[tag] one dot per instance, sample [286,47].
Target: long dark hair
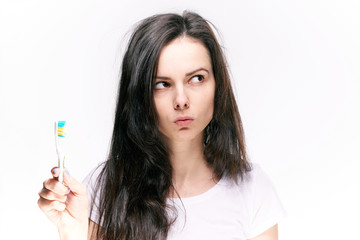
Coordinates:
[137,177]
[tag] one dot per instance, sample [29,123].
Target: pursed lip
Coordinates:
[183,121]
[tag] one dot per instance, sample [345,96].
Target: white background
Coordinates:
[295,68]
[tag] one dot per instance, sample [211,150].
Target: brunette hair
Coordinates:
[137,177]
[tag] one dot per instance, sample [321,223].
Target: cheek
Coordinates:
[205,105]
[210,106]
[209,99]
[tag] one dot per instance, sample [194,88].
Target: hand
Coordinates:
[66,205]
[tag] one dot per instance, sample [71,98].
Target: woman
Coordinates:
[177,167]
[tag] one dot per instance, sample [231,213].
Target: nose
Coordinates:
[181,101]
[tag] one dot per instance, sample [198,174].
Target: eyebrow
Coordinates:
[187,74]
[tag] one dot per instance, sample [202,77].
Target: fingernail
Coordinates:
[68,191]
[67,172]
[55,170]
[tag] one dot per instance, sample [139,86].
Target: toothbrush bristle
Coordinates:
[61,128]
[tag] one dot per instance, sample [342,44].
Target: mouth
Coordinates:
[183,121]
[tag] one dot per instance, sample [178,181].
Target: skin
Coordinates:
[68,210]
[184,86]
[178,93]
[270,234]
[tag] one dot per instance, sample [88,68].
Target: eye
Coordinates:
[161,85]
[197,78]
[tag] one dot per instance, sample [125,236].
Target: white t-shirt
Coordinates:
[226,211]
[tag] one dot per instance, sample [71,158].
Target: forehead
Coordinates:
[183,54]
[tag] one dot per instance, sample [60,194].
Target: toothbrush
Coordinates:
[59,139]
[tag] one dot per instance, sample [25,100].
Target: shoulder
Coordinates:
[264,205]
[91,181]
[93,175]
[255,180]
[259,190]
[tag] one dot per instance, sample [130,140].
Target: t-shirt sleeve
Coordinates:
[265,207]
[91,181]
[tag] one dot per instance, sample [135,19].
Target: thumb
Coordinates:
[76,187]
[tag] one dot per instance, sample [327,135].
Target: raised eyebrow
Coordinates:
[162,78]
[197,70]
[187,74]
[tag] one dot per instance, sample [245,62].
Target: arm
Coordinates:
[270,234]
[93,227]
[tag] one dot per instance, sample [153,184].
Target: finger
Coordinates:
[75,186]
[55,186]
[48,205]
[55,171]
[50,195]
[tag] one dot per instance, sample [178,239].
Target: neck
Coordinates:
[190,169]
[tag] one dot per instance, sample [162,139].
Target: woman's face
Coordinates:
[184,89]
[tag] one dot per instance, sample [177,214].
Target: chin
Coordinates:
[186,135]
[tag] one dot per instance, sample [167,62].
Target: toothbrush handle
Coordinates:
[61,167]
